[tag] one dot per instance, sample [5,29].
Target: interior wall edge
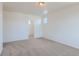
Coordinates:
[1,27]
[1,49]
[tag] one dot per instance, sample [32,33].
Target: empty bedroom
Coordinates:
[40,29]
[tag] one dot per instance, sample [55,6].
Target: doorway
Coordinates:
[35,28]
[31,29]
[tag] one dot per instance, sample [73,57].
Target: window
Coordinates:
[45,21]
[39,21]
[29,21]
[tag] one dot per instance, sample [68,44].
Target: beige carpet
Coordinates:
[38,47]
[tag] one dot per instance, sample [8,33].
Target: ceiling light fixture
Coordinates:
[41,4]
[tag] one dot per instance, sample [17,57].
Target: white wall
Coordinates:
[15,26]
[1,28]
[63,26]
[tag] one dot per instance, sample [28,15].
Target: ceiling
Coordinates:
[31,8]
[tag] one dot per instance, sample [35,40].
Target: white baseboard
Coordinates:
[63,42]
[15,40]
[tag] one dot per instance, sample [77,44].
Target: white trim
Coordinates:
[62,42]
[16,40]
